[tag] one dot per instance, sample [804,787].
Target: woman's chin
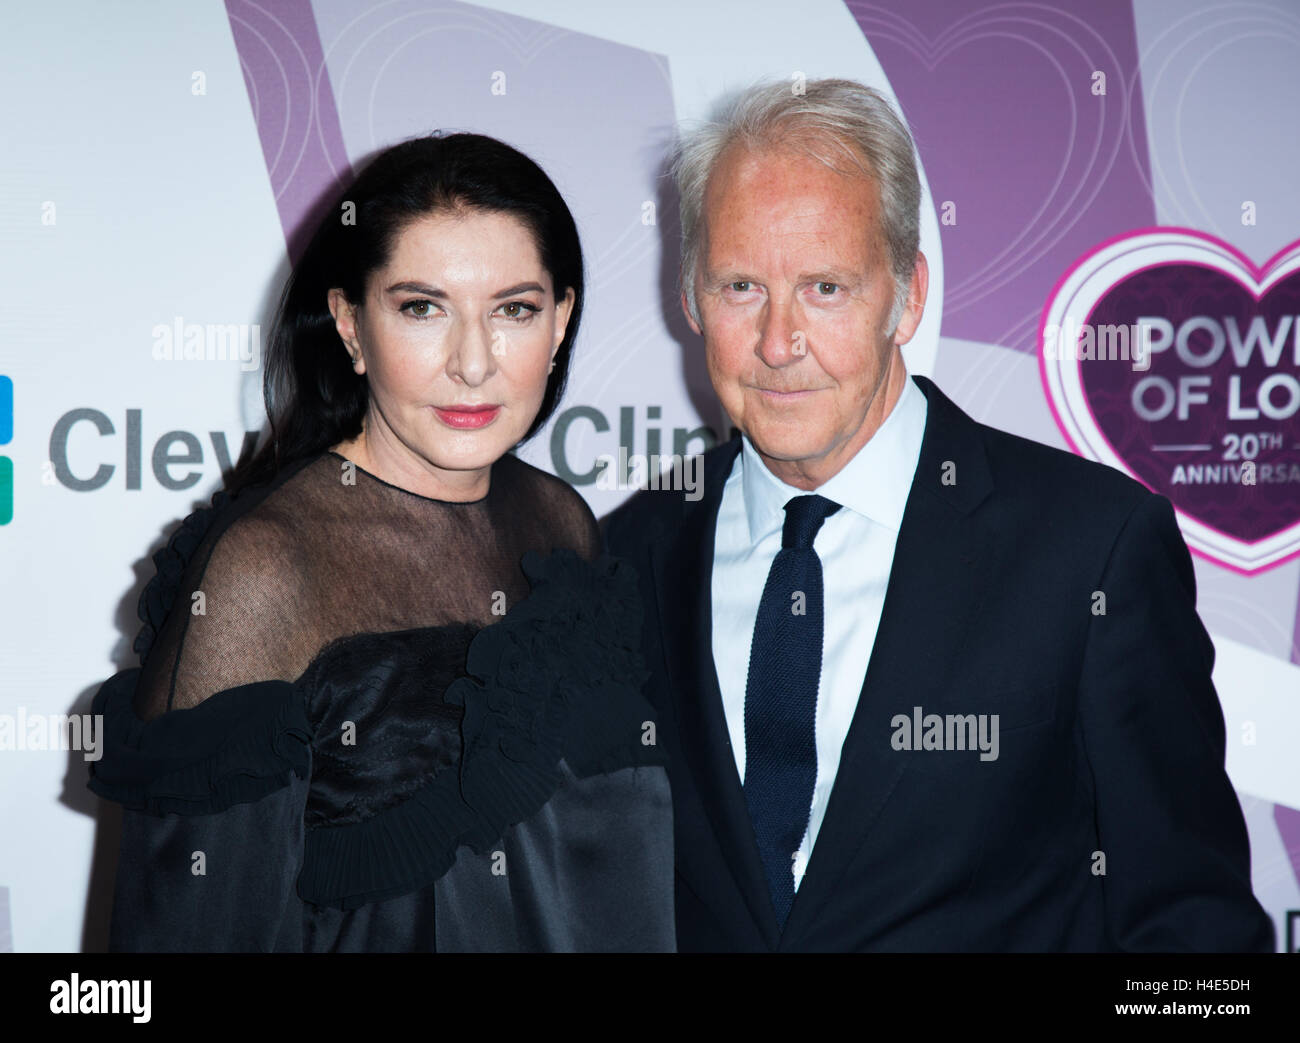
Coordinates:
[468,451]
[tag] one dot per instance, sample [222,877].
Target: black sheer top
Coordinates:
[370,720]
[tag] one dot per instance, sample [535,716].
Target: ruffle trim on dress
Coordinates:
[558,678]
[226,751]
[170,562]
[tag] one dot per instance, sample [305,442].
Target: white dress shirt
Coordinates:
[856,547]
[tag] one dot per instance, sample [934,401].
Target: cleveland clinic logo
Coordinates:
[6,464]
[1206,409]
[90,450]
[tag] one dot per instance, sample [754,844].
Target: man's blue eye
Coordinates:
[740,287]
[821,288]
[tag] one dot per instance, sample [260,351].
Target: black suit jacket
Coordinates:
[1107,821]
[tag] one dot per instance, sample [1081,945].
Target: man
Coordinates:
[925,685]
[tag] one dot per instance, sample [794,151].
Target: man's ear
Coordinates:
[915,306]
[690,319]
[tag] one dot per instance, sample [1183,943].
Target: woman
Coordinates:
[389,688]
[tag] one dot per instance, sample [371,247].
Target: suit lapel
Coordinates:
[937,582]
[683,568]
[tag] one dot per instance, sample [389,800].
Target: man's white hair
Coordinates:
[841,123]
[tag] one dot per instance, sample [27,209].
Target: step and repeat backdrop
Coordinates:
[1124,167]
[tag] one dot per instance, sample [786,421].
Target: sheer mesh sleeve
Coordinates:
[241,615]
[571,522]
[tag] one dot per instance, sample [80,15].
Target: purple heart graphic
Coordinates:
[1168,354]
[1026,166]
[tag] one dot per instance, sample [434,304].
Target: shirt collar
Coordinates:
[874,484]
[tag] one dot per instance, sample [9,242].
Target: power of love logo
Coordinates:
[1169,355]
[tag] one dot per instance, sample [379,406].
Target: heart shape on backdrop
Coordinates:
[1167,354]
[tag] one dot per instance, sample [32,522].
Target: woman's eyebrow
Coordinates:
[433,291]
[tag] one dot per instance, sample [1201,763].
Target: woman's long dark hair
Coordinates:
[313,397]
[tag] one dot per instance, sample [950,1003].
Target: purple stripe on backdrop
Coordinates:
[1038,168]
[293,105]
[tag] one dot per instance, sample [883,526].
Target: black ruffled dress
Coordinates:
[366,720]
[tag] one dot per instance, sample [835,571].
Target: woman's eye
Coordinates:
[520,311]
[419,309]
[822,288]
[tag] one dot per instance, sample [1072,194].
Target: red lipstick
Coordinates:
[462,417]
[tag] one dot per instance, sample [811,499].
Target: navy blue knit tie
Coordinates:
[785,663]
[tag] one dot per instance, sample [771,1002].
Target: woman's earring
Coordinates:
[551,368]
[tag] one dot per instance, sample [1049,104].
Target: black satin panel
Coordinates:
[244,902]
[402,924]
[389,686]
[591,872]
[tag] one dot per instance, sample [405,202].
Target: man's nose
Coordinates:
[780,340]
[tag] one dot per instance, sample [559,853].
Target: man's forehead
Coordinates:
[793,186]
[797,221]
[800,162]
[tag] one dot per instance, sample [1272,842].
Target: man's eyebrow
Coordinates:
[723,276]
[433,291]
[842,276]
